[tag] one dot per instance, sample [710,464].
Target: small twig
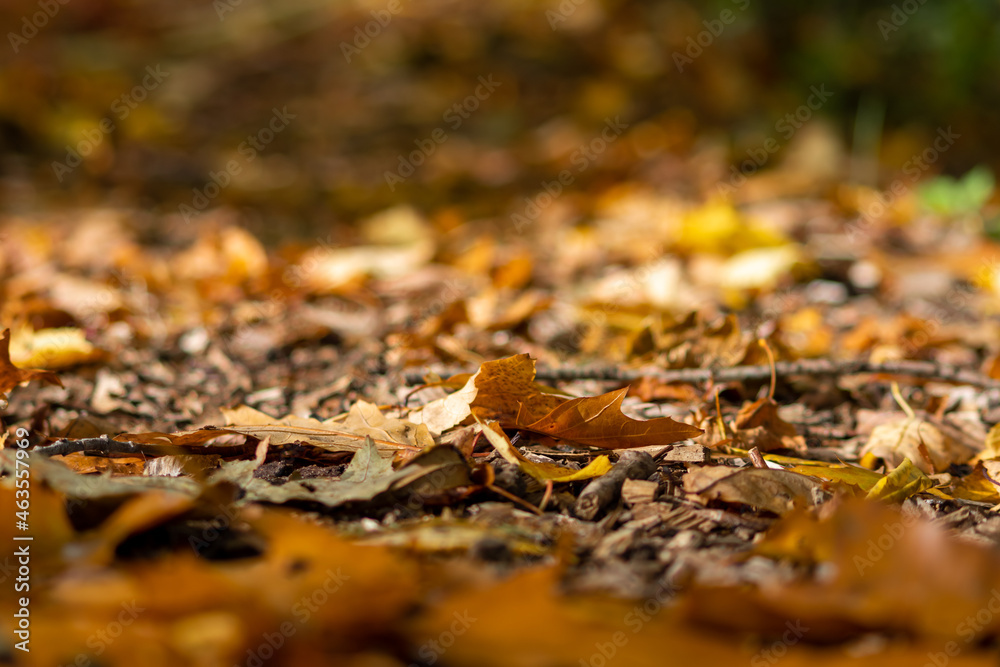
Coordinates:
[549,485]
[604,490]
[105,446]
[927,370]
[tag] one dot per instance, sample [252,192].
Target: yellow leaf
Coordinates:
[977,485]
[11,375]
[840,472]
[991,448]
[543,472]
[906,480]
[52,348]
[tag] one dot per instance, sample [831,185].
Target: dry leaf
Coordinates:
[903,482]
[598,421]
[758,425]
[505,391]
[11,375]
[367,480]
[884,569]
[841,473]
[977,485]
[778,491]
[502,390]
[915,439]
[991,447]
[364,419]
[52,348]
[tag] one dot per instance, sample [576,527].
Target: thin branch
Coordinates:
[105,446]
[926,370]
[604,490]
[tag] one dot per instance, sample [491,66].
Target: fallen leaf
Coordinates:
[884,569]
[367,464]
[11,375]
[991,447]
[598,421]
[978,485]
[363,420]
[758,425]
[842,473]
[505,391]
[901,483]
[432,472]
[915,439]
[778,491]
[53,348]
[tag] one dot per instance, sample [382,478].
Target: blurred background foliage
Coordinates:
[700,85]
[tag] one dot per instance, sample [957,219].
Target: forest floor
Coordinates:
[680,432]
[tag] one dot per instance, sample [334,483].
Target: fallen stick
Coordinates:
[926,370]
[105,446]
[605,490]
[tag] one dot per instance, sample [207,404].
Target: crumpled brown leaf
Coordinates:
[758,425]
[505,391]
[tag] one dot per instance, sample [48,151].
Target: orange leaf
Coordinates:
[505,391]
[599,421]
[758,425]
[508,393]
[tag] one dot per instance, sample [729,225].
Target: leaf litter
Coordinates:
[701,518]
